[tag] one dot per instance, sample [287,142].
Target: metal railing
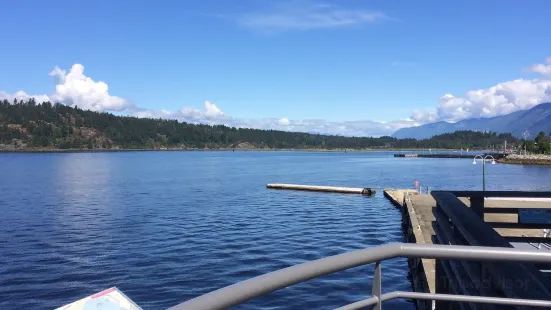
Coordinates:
[244,291]
[477,199]
[455,223]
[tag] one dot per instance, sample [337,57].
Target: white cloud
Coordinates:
[500,99]
[346,128]
[213,112]
[59,74]
[544,69]
[284,122]
[76,89]
[307,15]
[211,115]
[21,95]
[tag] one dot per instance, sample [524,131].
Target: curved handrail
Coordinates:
[243,291]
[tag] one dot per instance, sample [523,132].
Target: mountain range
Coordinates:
[533,120]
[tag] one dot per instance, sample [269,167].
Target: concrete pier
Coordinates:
[397,196]
[417,226]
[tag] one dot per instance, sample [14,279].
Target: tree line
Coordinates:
[58,126]
[540,145]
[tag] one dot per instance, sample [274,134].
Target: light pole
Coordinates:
[484,167]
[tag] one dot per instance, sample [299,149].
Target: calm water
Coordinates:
[165,227]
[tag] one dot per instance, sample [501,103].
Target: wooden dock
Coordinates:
[418,225]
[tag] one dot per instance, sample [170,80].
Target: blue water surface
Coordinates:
[165,227]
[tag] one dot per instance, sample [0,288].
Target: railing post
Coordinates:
[376,287]
[442,286]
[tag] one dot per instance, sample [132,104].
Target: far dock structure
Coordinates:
[331,189]
[449,155]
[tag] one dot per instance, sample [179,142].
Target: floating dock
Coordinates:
[330,189]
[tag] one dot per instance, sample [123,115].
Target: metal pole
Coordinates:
[376,286]
[483,169]
[484,174]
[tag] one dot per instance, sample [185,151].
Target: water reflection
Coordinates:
[83,186]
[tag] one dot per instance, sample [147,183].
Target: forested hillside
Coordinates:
[461,139]
[29,125]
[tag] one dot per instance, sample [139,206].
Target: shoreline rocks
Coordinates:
[526,159]
[16,145]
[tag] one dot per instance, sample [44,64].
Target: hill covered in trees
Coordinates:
[27,125]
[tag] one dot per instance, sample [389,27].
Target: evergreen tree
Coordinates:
[542,143]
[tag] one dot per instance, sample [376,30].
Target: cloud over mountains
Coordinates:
[500,99]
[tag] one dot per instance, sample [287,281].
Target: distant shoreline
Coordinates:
[50,150]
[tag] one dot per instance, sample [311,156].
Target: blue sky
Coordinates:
[329,66]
